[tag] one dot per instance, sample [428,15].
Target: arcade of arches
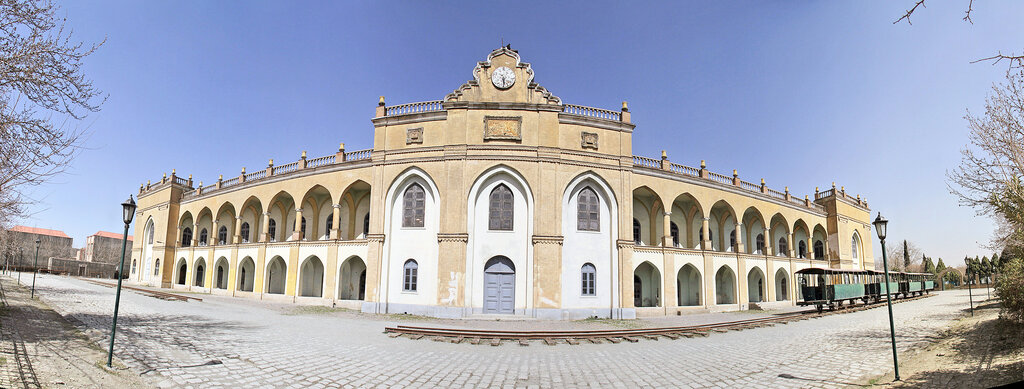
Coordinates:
[495,200]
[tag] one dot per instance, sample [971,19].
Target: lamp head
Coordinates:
[880,224]
[128,207]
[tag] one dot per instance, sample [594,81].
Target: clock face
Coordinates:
[503,77]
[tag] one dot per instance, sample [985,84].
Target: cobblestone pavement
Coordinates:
[225,342]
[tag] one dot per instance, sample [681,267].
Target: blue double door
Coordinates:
[499,286]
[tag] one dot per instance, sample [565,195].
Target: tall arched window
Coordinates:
[366,224]
[760,244]
[133,266]
[588,211]
[149,232]
[855,245]
[272,230]
[636,232]
[186,237]
[732,240]
[802,249]
[245,232]
[302,229]
[588,280]
[783,248]
[203,236]
[409,275]
[156,267]
[222,235]
[328,227]
[819,250]
[413,204]
[501,209]
[674,231]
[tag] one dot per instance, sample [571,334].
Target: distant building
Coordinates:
[20,248]
[104,247]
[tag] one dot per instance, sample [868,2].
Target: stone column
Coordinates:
[238,231]
[739,238]
[211,238]
[667,230]
[669,296]
[705,244]
[297,232]
[791,243]
[336,222]
[264,228]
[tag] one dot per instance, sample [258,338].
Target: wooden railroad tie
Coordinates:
[495,342]
[614,340]
[572,341]
[550,342]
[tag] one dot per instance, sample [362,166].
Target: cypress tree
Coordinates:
[906,256]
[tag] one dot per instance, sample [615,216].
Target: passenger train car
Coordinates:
[832,287]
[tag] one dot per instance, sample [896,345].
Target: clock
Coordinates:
[503,77]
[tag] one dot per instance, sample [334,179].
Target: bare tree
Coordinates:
[991,170]
[900,256]
[1014,61]
[42,91]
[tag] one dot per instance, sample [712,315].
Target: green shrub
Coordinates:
[1010,289]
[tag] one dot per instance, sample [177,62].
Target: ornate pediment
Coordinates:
[503,78]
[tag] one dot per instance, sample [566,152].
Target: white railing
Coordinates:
[720,178]
[322,161]
[775,193]
[229,183]
[646,162]
[425,106]
[256,175]
[286,168]
[750,186]
[358,155]
[683,169]
[592,112]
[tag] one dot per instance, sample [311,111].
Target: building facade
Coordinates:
[498,199]
[105,247]
[20,247]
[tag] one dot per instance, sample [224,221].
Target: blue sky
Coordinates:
[799,93]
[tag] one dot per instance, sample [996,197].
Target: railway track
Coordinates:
[575,337]
[151,293]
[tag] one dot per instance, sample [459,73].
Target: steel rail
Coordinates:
[153,293]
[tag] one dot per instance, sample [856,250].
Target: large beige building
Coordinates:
[498,199]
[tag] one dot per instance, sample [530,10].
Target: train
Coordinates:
[833,287]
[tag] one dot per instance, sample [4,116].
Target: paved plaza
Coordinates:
[233,342]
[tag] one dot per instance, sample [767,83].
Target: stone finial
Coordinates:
[815,190]
[303,154]
[806,198]
[174,171]
[762,182]
[833,184]
[220,177]
[271,163]
[735,173]
[787,189]
[341,147]
[200,184]
[243,170]
[625,106]
[380,102]
[165,177]
[190,177]
[702,164]
[664,155]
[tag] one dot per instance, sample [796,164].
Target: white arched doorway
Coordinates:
[688,286]
[725,286]
[755,285]
[352,283]
[781,285]
[246,275]
[499,286]
[311,278]
[275,278]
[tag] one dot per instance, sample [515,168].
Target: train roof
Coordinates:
[819,270]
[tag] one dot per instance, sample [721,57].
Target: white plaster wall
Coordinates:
[326,213]
[756,228]
[641,213]
[779,233]
[419,243]
[485,244]
[596,247]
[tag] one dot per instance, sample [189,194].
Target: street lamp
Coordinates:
[35,269]
[880,225]
[128,212]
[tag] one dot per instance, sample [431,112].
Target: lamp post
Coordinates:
[128,212]
[880,225]
[35,269]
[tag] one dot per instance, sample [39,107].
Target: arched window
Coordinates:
[203,235]
[245,232]
[409,275]
[819,250]
[760,244]
[855,245]
[588,211]
[328,227]
[133,266]
[674,231]
[366,224]
[636,232]
[302,228]
[732,240]
[272,230]
[588,280]
[149,232]
[222,235]
[413,204]
[156,267]
[186,237]
[501,208]
[802,249]
[783,248]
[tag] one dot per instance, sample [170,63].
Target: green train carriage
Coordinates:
[832,287]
